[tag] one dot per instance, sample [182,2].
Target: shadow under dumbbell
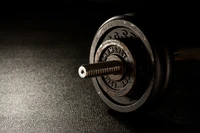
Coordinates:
[141,122]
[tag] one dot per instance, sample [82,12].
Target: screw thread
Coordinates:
[100,69]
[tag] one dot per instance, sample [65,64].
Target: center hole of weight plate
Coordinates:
[116,76]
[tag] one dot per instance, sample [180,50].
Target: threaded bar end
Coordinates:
[100,69]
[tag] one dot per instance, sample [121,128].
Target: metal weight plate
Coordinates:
[116,84]
[120,39]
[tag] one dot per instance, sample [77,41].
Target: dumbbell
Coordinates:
[130,65]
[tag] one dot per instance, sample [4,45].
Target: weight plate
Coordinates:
[119,84]
[144,65]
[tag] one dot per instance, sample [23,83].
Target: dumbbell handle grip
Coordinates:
[187,54]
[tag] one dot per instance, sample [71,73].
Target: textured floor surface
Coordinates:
[40,90]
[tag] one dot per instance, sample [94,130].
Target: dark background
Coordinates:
[41,47]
